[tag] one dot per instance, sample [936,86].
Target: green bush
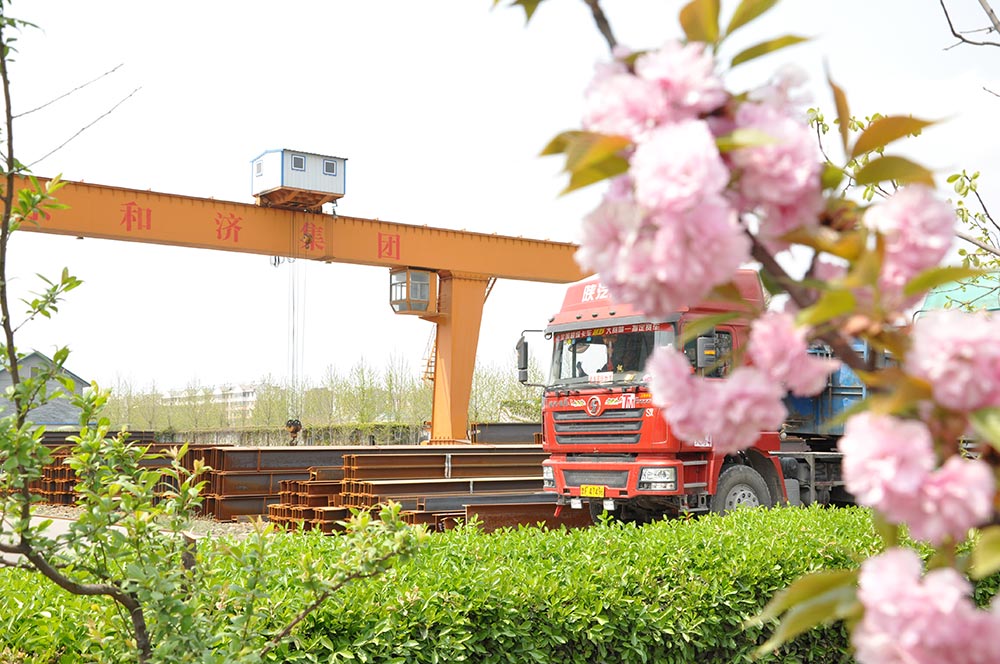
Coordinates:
[674,591]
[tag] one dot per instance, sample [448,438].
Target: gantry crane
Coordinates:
[438,274]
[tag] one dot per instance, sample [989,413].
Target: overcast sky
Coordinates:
[440,108]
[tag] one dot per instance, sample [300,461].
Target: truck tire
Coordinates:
[740,486]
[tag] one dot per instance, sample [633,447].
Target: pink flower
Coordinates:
[686,75]
[730,413]
[749,403]
[677,167]
[959,355]
[623,104]
[911,619]
[669,260]
[682,397]
[918,229]
[779,349]
[956,497]
[779,180]
[605,231]
[886,462]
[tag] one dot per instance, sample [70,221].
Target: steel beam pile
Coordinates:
[247,481]
[430,482]
[56,486]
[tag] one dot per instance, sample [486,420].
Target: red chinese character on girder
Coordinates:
[134,215]
[312,237]
[227,226]
[388,245]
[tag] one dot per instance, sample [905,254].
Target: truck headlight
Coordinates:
[658,474]
[658,479]
[548,478]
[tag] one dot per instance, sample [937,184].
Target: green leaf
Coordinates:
[744,138]
[835,604]
[609,168]
[899,169]
[843,111]
[590,157]
[591,149]
[764,48]
[885,130]
[938,276]
[986,423]
[747,11]
[805,588]
[700,20]
[832,176]
[529,7]
[695,328]
[986,554]
[830,304]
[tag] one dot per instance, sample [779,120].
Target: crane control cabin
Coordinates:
[440,275]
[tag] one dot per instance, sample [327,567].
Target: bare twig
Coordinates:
[603,25]
[85,128]
[66,94]
[961,37]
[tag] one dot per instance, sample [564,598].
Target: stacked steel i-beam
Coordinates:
[432,484]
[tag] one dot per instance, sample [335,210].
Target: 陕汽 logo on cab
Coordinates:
[594,406]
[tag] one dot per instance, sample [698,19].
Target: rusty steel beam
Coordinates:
[470,485]
[492,517]
[250,483]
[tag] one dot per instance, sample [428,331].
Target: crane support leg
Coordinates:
[460,313]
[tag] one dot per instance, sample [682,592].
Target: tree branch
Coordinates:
[962,38]
[603,25]
[85,128]
[803,298]
[66,94]
[978,243]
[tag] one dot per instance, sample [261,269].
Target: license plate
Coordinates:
[591,491]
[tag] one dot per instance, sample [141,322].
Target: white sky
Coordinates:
[441,109]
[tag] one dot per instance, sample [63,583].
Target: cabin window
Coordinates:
[258,168]
[329,167]
[298,162]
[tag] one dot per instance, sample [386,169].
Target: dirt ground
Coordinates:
[203,527]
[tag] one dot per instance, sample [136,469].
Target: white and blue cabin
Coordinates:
[297,180]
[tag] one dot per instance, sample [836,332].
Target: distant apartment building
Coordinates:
[236,401]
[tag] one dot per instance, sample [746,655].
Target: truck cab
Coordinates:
[610,449]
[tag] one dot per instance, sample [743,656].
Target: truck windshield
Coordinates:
[607,354]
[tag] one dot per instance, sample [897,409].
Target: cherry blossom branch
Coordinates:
[804,298]
[982,245]
[603,25]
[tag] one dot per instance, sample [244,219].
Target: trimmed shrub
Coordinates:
[673,591]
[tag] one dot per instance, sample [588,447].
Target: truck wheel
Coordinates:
[597,509]
[740,486]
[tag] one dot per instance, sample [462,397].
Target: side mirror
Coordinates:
[706,351]
[522,360]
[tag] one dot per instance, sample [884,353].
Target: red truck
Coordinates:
[610,447]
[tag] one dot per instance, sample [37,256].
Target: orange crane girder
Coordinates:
[463,260]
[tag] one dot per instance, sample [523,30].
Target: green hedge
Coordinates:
[674,591]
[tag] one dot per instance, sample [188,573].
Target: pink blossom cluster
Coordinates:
[780,350]
[918,229]
[912,618]
[729,413]
[670,232]
[889,465]
[958,354]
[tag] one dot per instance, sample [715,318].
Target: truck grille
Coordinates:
[620,426]
[611,478]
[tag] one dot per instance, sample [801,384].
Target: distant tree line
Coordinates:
[363,396]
